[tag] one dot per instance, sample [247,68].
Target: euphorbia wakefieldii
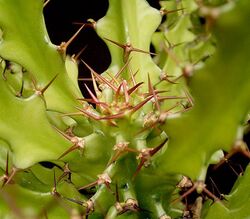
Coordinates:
[153,123]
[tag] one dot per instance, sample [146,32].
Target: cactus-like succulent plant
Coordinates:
[153,123]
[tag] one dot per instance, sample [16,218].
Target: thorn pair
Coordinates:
[64,45]
[199,186]
[145,156]
[7,177]
[78,143]
[127,49]
[41,91]
[103,179]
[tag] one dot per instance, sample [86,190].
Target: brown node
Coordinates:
[41,91]
[103,179]
[239,147]
[7,178]
[66,173]
[199,186]
[151,120]
[145,156]
[78,143]
[127,49]
[120,148]
[64,45]
[54,188]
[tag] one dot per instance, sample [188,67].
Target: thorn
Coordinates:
[120,148]
[42,91]
[141,104]
[115,116]
[171,98]
[9,178]
[45,3]
[117,75]
[76,57]
[99,77]
[78,143]
[20,93]
[165,77]
[72,148]
[125,90]
[152,91]
[145,155]
[131,90]
[127,49]
[95,100]
[64,45]
[200,187]
[132,76]
[89,114]
[165,11]
[66,172]
[74,201]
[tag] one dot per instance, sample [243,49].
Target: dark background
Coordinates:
[60,18]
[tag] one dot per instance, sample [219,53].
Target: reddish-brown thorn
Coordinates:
[76,57]
[118,92]
[128,48]
[125,90]
[184,195]
[88,186]
[72,148]
[132,89]
[105,105]
[146,154]
[165,77]
[45,3]
[165,11]
[84,79]
[42,91]
[152,91]
[102,179]
[89,114]
[171,98]
[95,100]
[77,142]
[120,149]
[10,177]
[20,93]
[115,157]
[189,97]
[113,79]
[132,76]
[64,45]
[99,77]
[235,150]
[141,104]
[74,201]
[153,151]
[97,91]
[66,172]
[200,187]
[117,75]
[115,116]
[62,133]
